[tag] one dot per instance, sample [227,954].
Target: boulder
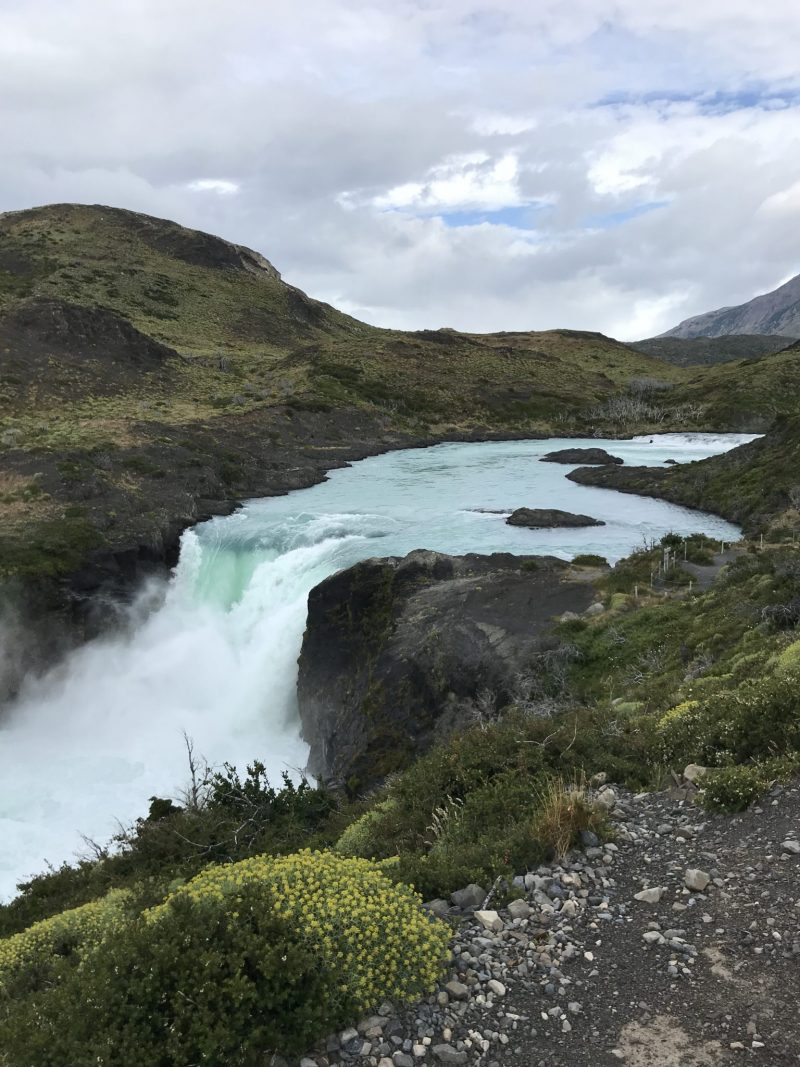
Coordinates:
[581,456]
[549,518]
[649,896]
[470,897]
[519,909]
[400,653]
[490,921]
[696,880]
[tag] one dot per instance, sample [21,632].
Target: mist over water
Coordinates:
[212,653]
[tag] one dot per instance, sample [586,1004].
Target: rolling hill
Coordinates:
[705,351]
[151,374]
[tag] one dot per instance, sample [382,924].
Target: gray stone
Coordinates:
[549,518]
[496,987]
[606,799]
[693,772]
[448,1055]
[489,920]
[649,896]
[696,880]
[402,1059]
[440,908]
[470,897]
[519,909]
[457,990]
[790,845]
[594,609]
[584,456]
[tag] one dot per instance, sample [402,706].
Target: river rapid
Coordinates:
[212,653]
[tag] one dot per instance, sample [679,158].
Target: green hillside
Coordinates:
[701,351]
[149,372]
[757,485]
[748,395]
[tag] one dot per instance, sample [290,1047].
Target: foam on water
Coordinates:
[213,652]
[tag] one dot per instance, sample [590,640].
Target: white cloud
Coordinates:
[339,138]
[213,185]
[473,180]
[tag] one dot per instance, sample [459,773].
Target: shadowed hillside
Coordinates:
[699,351]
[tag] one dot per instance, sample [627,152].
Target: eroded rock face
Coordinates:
[549,518]
[400,652]
[581,455]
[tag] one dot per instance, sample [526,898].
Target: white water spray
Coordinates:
[213,652]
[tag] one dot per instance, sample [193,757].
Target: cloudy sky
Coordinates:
[515,164]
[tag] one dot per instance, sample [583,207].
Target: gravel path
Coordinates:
[582,973]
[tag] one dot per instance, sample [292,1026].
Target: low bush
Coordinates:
[733,788]
[30,959]
[589,559]
[760,719]
[264,955]
[208,983]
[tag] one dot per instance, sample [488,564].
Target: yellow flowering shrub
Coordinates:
[368,930]
[677,712]
[78,931]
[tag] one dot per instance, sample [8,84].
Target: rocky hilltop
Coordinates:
[774,313]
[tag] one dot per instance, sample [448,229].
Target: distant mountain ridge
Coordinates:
[774,313]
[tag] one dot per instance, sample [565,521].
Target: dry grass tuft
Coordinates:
[564,809]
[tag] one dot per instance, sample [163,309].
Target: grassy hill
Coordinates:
[151,373]
[701,351]
[750,394]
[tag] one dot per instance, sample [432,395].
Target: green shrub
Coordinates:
[733,788]
[589,559]
[760,719]
[364,836]
[563,810]
[368,931]
[30,958]
[210,982]
[264,955]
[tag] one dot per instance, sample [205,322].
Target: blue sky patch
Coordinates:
[718,102]
[610,219]
[522,217]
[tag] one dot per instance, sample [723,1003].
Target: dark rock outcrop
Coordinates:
[549,518]
[398,653]
[581,455]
